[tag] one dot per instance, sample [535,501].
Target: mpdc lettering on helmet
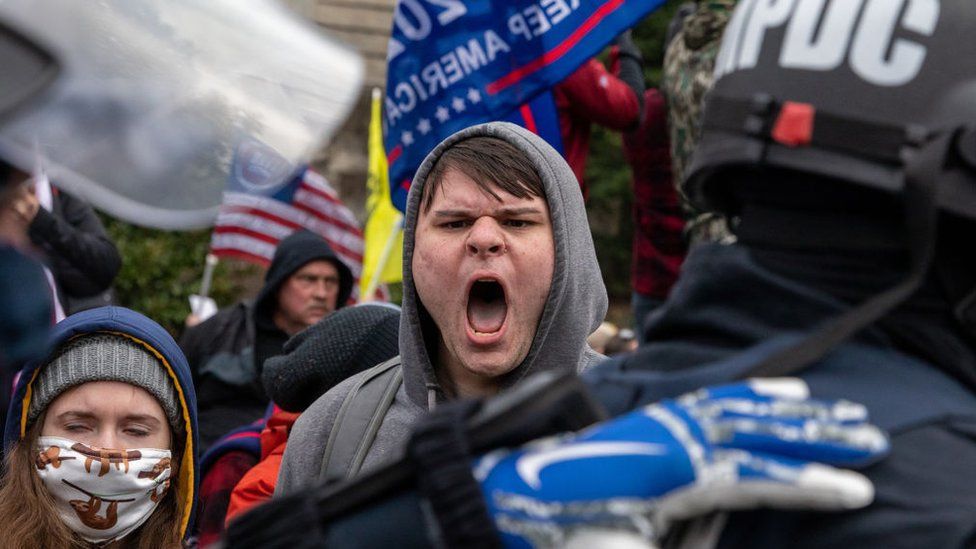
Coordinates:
[821,35]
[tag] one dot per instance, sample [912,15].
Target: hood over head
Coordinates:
[151,337]
[293,253]
[577,300]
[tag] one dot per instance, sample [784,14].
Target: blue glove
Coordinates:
[762,443]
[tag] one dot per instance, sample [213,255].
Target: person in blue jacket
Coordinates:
[101,438]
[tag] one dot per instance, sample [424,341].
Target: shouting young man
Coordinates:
[500,281]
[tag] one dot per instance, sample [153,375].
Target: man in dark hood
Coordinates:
[500,280]
[305,282]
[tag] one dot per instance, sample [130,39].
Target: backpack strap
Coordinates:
[359,419]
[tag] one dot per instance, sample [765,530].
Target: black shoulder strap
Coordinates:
[358,421]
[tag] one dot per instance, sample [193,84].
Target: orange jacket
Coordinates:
[258,484]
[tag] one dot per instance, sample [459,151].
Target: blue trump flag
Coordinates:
[454,64]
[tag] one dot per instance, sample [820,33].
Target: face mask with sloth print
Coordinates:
[102,494]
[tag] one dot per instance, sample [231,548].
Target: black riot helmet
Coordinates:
[844,89]
[877,94]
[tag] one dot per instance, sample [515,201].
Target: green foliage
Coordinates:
[609,210]
[160,269]
[649,36]
[609,176]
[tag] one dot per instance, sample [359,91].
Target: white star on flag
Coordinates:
[423,126]
[442,114]
[474,96]
[458,104]
[407,138]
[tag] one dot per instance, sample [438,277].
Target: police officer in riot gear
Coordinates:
[841,136]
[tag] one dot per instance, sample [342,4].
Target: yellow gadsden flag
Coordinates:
[382,259]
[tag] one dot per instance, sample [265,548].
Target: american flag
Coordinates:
[250,224]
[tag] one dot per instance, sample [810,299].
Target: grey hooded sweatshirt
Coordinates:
[576,305]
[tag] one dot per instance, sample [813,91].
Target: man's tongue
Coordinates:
[486,313]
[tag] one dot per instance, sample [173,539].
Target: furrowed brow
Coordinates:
[451,213]
[528,210]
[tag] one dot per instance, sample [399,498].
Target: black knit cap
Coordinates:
[336,347]
[293,253]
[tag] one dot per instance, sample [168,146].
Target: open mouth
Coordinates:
[487,307]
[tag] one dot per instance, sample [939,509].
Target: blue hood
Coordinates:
[143,330]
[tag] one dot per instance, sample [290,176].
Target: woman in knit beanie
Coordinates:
[100,439]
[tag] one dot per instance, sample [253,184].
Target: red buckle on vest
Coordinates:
[794,125]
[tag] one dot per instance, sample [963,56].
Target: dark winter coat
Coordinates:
[82,258]
[728,312]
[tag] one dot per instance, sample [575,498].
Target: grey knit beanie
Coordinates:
[104,357]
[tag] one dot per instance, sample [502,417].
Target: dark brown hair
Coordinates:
[492,163]
[29,518]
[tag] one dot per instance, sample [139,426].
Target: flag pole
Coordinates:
[208,270]
[201,306]
[374,280]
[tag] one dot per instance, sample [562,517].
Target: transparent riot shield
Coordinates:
[157,101]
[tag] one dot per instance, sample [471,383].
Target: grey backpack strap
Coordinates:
[358,420]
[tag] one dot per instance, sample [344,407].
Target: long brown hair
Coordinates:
[30,520]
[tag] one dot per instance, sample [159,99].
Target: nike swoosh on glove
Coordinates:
[761,443]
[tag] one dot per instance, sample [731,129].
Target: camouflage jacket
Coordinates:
[688,76]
